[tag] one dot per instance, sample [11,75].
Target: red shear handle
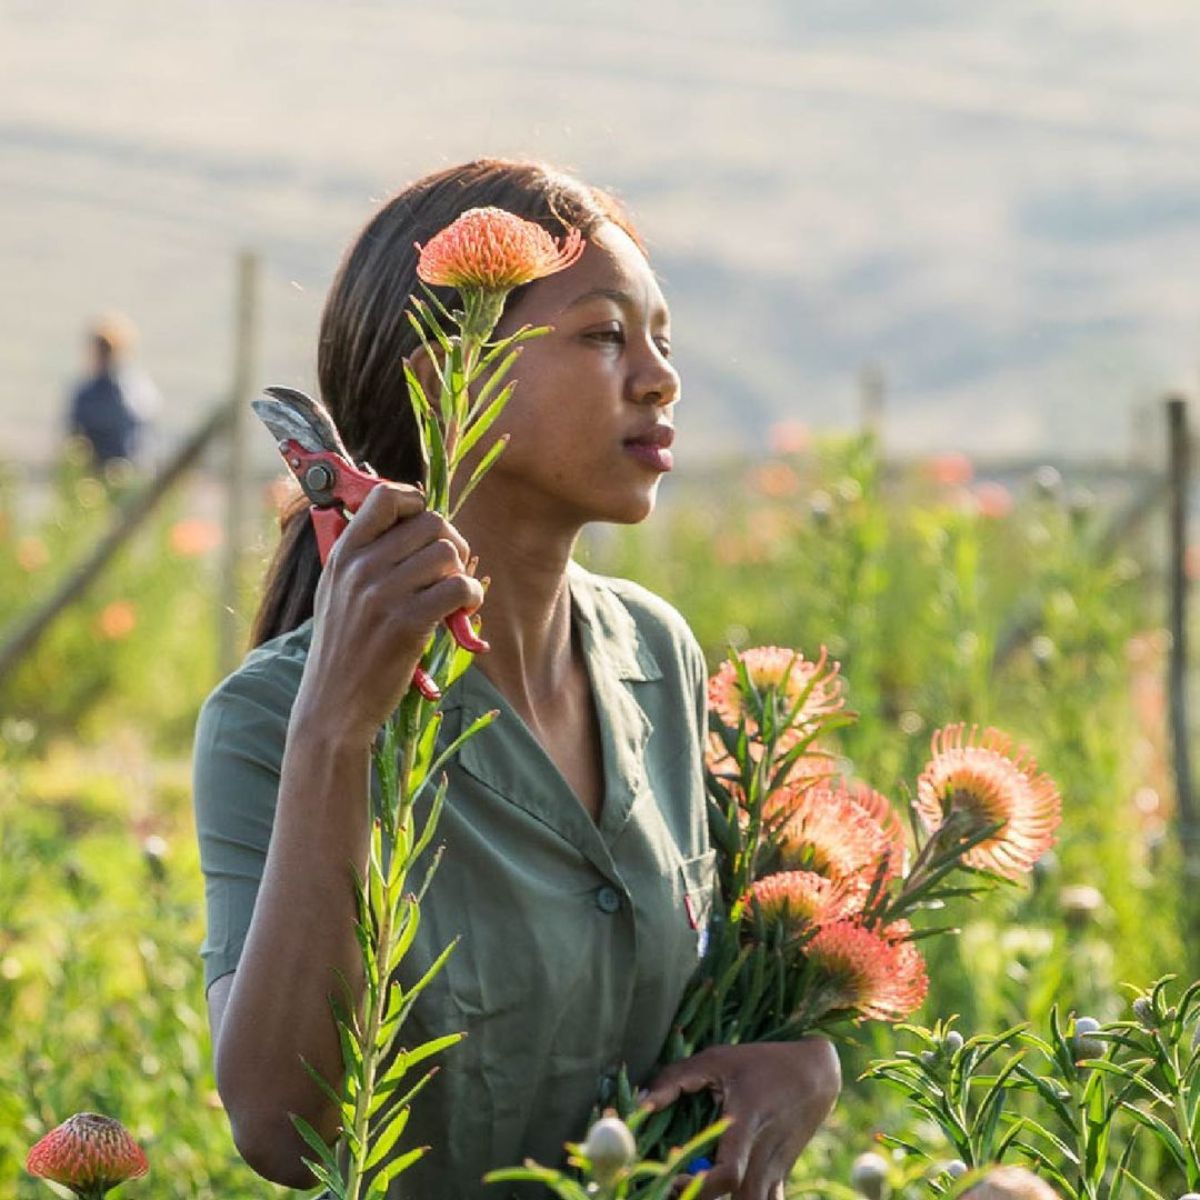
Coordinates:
[349,488]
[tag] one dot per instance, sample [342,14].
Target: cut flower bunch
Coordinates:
[818,876]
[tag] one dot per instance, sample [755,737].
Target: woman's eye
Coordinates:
[613,336]
[664,346]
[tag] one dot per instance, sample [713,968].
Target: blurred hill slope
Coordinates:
[1000,202]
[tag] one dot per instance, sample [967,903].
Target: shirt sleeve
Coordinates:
[238,754]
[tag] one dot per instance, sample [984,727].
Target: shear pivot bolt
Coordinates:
[318,477]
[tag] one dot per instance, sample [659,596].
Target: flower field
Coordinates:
[912,580]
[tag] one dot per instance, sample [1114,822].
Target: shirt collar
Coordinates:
[615,634]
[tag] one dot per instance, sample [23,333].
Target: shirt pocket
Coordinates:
[699,877]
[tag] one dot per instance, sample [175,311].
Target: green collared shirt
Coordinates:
[577,937]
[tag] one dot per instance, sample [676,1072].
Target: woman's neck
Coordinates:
[527,613]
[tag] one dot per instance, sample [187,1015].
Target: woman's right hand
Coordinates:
[396,572]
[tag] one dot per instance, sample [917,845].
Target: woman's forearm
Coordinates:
[301,938]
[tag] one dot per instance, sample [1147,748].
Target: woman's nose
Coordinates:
[659,383]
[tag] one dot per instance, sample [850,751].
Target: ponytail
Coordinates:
[292,576]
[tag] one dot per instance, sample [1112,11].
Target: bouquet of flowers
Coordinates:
[818,878]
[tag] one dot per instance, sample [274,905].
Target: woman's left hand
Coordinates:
[776,1094]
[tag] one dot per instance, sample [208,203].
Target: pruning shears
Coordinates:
[336,487]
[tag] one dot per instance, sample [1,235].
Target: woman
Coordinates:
[575,844]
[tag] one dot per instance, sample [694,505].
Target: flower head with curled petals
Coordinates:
[980,779]
[88,1153]
[807,691]
[799,900]
[879,977]
[495,251]
[879,808]
[827,831]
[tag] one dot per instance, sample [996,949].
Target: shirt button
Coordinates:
[608,899]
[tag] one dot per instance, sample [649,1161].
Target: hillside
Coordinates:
[999,203]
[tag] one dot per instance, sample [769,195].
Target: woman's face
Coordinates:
[592,414]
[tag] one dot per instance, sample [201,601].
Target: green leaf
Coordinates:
[324,1150]
[390,1170]
[326,1087]
[479,724]
[382,1140]
[485,464]
[1161,1130]
[327,1178]
[484,421]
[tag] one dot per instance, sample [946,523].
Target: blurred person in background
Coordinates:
[112,407]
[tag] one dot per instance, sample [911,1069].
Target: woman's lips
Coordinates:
[653,447]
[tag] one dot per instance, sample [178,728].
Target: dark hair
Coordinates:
[365,337]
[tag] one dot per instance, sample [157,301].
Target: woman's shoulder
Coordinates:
[629,609]
[266,681]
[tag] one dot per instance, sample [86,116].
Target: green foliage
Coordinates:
[101,994]
[101,1000]
[1091,1107]
[143,636]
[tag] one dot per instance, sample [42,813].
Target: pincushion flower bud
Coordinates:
[868,1175]
[952,1042]
[88,1153]
[955,1168]
[1087,1046]
[1143,1010]
[610,1148]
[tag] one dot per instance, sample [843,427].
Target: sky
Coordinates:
[998,203]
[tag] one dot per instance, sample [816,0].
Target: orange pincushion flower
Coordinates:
[983,777]
[800,898]
[791,675]
[879,808]
[495,250]
[881,977]
[88,1153]
[828,832]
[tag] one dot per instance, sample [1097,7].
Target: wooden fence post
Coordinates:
[1179,470]
[237,499]
[871,391]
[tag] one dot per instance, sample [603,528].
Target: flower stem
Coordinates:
[373,1051]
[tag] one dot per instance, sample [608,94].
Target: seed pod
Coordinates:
[1085,1045]
[610,1148]
[1143,1009]
[868,1175]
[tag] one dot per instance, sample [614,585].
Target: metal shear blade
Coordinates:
[291,415]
